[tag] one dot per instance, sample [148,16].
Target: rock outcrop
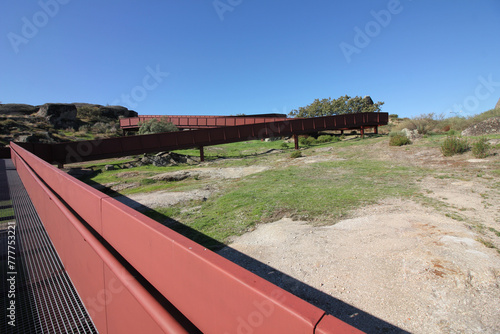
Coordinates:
[15,109]
[498,104]
[487,127]
[60,115]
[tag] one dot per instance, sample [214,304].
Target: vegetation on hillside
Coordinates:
[155,125]
[342,105]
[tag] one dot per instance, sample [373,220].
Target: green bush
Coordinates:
[481,148]
[295,154]
[303,141]
[156,126]
[454,145]
[284,146]
[325,139]
[398,139]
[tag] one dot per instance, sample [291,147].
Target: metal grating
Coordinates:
[47,301]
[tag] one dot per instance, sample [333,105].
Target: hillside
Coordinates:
[56,122]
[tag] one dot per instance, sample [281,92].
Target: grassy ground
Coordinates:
[318,191]
[322,191]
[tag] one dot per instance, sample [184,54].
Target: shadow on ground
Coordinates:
[339,309]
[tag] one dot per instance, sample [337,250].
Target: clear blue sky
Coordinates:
[239,56]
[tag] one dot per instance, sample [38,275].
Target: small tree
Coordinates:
[156,126]
[342,105]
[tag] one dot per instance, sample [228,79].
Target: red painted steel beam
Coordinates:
[63,153]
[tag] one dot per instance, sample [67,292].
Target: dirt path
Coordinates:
[400,262]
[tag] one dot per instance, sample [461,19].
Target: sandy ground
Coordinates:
[395,266]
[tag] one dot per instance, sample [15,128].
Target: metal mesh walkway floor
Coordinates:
[36,293]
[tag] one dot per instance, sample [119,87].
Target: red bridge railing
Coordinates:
[201,122]
[135,275]
[63,153]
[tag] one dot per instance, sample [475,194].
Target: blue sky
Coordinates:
[228,57]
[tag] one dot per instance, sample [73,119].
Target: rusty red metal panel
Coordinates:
[332,325]
[227,299]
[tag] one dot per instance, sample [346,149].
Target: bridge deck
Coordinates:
[36,291]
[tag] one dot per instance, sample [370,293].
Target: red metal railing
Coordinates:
[217,296]
[63,153]
[201,122]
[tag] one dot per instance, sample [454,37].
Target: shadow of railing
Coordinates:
[331,305]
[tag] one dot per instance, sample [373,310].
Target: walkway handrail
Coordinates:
[64,153]
[216,295]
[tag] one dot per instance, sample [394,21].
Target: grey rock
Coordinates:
[498,104]
[489,126]
[17,109]
[109,167]
[411,134]
[60,115]
[117,112]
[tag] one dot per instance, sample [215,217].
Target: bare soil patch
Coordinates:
[400,262]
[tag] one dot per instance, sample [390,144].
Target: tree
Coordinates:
[343,105]
[156,126]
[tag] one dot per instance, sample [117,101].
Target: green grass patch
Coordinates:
[7,212]
[317,192]
[496,232]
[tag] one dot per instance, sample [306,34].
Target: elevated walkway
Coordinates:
[36,293]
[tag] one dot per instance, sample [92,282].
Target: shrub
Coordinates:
[156,126]
[307,141]
[105,128]
[481,148]
[398,139]
[324,138]
[454,145]
[311,141]
[91,113]
[284,145]
[85,128]
[295,154]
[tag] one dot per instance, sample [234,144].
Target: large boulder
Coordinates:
[116,112]
[60,115]
[498,104]
[17,109]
